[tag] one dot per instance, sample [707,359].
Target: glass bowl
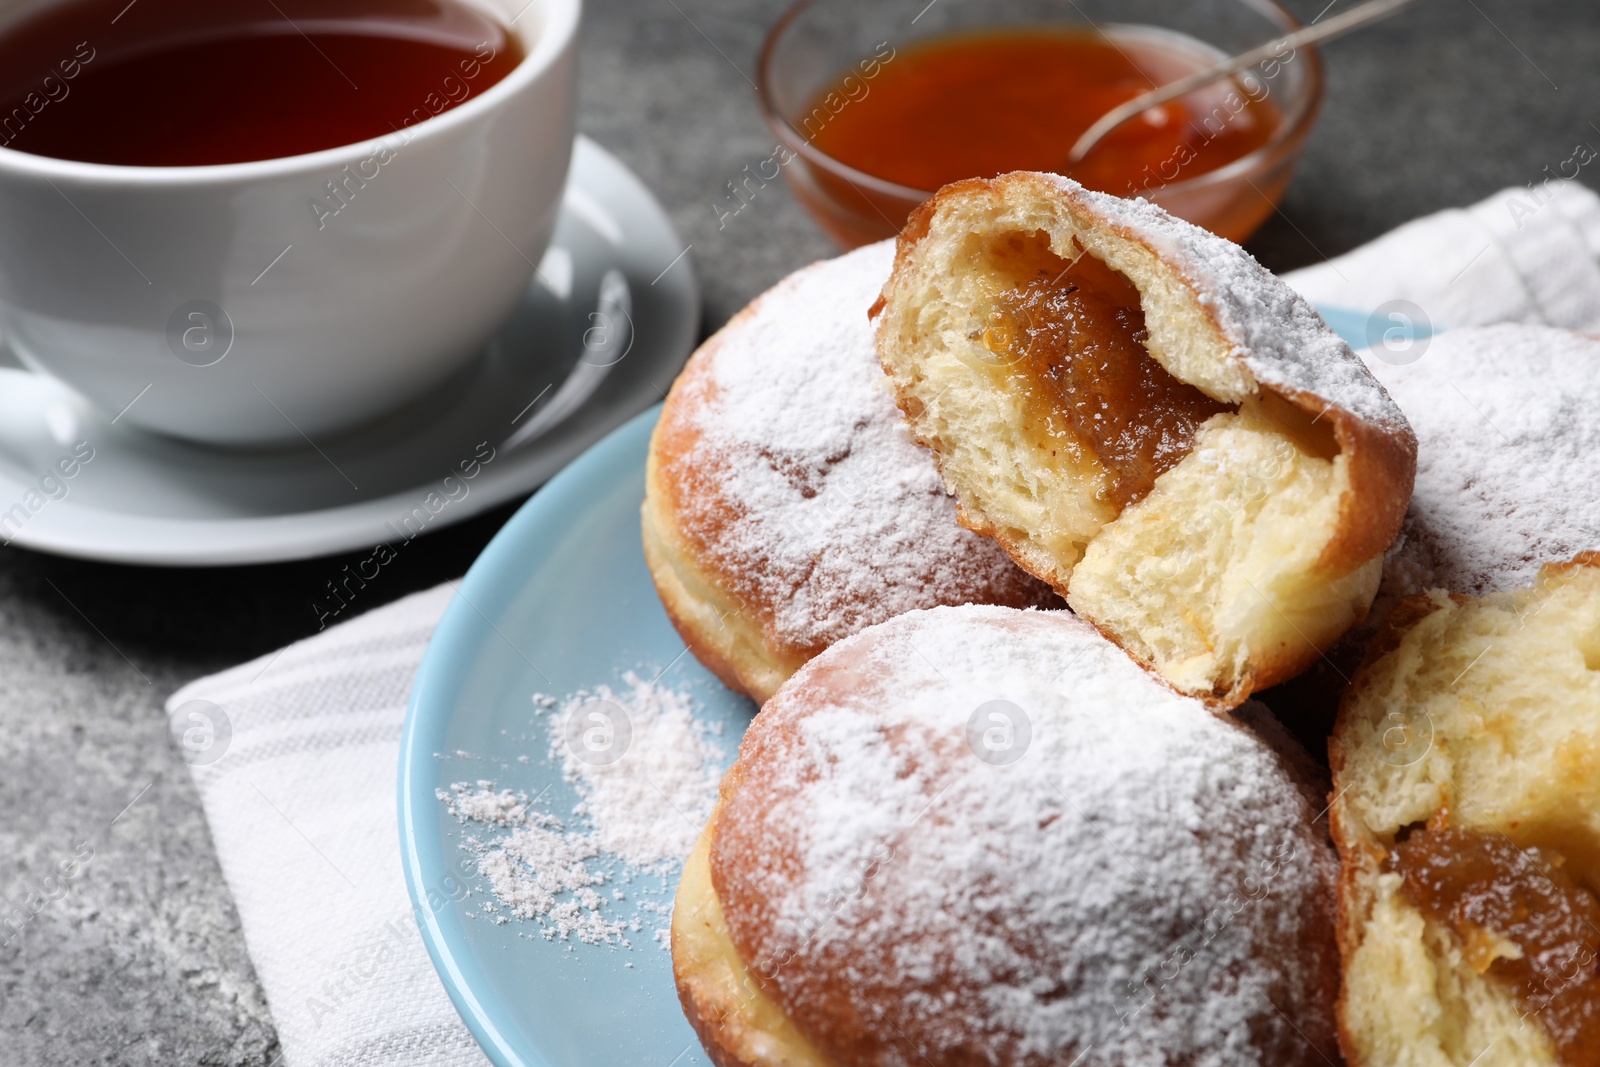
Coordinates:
[817,42]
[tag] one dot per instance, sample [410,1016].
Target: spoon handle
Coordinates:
[1337,26]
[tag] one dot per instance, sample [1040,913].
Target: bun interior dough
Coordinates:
[1212,478]
[1466,764]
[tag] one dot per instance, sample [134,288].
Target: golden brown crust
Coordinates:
[737,1024]
[1359,853]
[1351,912]
[1359,857]
[741,677]
[1582,559]
[707,1014]
[715,1032]
[1383,468]
[702,604]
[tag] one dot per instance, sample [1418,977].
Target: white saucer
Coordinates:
[603,330]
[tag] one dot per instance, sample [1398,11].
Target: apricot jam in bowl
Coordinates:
[877,103]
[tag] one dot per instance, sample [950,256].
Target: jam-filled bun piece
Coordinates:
[786,506]
[1148,420]
[979,835]
[1466,810]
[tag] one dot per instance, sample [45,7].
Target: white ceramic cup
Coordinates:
[271,302]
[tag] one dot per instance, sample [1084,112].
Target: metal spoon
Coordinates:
[1353,19]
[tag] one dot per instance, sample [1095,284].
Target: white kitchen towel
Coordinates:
[295,757]
[295,754]
[1526,255]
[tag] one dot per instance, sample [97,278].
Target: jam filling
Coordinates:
[1521,918]
[1074,338]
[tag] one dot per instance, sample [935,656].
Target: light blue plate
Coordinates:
[1363,329]
[559,601]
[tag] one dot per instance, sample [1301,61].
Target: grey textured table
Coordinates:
[140,959]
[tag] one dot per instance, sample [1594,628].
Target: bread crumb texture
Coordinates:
[1482,715]
[1229,574]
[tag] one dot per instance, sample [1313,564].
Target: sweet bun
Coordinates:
[1466,764]
[786,506]
[1508,458]
[1211,478]
[1508,429]
[979,835]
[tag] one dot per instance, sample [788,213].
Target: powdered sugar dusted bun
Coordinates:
[1148,420]
[786,505]
[985,836]
[1508,464]
[1466,764]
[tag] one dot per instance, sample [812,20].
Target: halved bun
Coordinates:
[1243,532]
[1466,759]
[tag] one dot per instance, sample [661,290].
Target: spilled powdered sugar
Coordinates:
[648,805]
[537,871]
[645,771]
